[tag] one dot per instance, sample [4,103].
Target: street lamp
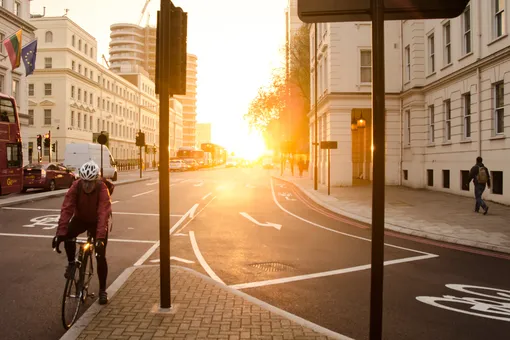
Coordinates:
[361,122]
[354,124]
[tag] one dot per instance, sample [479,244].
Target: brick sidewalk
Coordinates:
[204,309]
[424,213]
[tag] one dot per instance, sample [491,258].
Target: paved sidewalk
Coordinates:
[203,309]
[430,214]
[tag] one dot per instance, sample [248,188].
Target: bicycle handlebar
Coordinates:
[57,249]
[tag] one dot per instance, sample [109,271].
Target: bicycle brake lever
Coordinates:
[57,249]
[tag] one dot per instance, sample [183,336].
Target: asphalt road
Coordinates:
[265,238]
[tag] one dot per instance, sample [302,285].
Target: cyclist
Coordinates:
[86,207]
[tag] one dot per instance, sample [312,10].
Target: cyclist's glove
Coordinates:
[100,247]
[55,243]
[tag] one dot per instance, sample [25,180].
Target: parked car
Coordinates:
[192,164]
[49,176]
[231,162]
[177,165]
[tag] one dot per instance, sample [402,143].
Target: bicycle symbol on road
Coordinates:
[47,222]
[491,303]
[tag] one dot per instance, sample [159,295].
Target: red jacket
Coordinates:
[89,210]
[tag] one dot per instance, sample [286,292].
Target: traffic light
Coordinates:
[53,147]
[39,142]
[47,140]
[140,139]
[146,149]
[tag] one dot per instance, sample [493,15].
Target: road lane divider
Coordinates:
[205,197]
[191,219]
[201,259]
[143,193]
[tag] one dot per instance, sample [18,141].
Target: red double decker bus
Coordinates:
[11,154]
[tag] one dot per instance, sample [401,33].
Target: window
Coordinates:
[466,30]
[15,89]
[432,64]
[31,89]
[72,91]
[30,117]
[86,49]
[499,17]
[90,125]
[17,8]
[446,179]
[86,72]
[431,124]
[79,69]
[14,156]
[407,56]
[47,117]
[98,125]
[73,40]
[48,37]
[48,62]
[466,100]
[103,125]
[47,90]
[85,121]
[79,120]
[430,177]
[447,120]
[91,100]
[72,117]
[499,108]
[406,175]
[85,96]
[79,44]
[366,66]
[79,94]
[447,43]
[91,74]
[497,182]
[92,52]
[2,80]
[465,179]
[98,102]
[73,65]
[2,37]
[408,127]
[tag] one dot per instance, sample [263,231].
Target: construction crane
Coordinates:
[143,11]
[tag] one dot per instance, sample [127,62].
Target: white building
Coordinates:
[15,14]
[73,96]
[446,99]
[189,102]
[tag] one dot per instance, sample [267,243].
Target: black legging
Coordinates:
[76,228]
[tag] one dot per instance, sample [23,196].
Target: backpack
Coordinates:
[483,176]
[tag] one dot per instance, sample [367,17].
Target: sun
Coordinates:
[252,147]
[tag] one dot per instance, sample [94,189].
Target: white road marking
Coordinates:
[199,184]
[328,273]
[143,193]
[115,202]
[267,224]
[152,183]
[147,254]
[186,215]
[201,259]
[191,219]
[81,238]
[115,212]
[209,194]
[290,199]
[336,231]
[193,210]
[179,234]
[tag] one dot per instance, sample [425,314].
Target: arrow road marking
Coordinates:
[199,184]
[267,224]
[290,199]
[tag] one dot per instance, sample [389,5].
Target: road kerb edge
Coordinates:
[402,229]
[82,323]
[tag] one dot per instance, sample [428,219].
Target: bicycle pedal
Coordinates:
[92,295]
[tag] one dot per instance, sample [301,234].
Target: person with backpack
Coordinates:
[86,207]
[480,176]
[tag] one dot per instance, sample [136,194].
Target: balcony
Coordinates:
[127,48]
[125,40]
[124,32]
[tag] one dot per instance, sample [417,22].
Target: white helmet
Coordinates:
[89,171]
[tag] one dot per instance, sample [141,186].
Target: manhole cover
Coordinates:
[272,266]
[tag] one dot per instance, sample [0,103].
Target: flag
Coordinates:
[13,47]
[29,53]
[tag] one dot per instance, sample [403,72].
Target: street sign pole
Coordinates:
[140,161]
[56,152]
[329,172]
[316,138]
[378,189]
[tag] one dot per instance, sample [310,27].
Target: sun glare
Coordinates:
[251,148]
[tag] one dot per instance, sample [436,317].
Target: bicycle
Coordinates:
[77,285]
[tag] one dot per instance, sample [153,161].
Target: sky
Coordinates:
[237,42]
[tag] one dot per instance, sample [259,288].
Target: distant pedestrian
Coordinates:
[480,176]
[301,166]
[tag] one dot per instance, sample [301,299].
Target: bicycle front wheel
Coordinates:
[72,299]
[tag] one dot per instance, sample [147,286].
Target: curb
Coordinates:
[59,193]
[398,228]
[74,332]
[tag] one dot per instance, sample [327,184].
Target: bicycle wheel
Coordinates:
[86,272]
[71,301]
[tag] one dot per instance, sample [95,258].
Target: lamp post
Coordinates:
[316,142]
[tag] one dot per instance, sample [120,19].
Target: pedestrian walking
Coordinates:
[480,176]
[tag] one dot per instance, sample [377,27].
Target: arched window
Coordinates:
[49,37]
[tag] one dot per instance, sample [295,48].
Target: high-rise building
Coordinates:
[133,49]
[13,16]
[203,133]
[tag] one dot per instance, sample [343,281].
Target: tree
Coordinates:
[299,62]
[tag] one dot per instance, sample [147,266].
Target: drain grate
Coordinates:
[272,266]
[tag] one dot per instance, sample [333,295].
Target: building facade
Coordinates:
[446,100]
[203,134]
[72,96]
[133,49]
[15,15]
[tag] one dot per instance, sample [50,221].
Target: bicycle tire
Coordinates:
[86,272]
[68,292]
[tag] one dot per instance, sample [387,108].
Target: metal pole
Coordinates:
[378,121]
[56,152]
[164,176]
[102,176]
[329,172]
[140,162]
[316,143]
